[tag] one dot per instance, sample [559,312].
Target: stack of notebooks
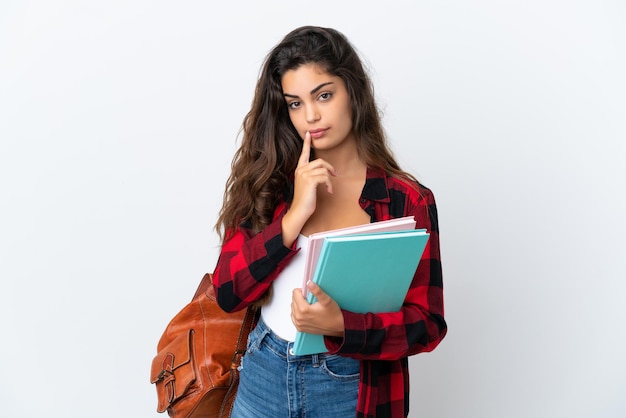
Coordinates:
[367,268]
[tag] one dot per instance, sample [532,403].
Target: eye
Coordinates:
[325,96]
[293,105]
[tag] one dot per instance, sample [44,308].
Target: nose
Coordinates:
[312,114]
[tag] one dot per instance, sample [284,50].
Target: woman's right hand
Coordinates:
[308,176]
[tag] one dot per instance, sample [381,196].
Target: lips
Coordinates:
[317,133]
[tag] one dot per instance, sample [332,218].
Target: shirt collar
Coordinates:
[375,188]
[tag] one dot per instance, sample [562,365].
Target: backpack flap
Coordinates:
[173,370]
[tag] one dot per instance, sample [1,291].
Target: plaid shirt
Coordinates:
[250,262]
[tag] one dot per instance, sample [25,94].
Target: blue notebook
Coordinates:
[365,273]
[317,239]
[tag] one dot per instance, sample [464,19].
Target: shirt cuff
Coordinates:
[273,237]
[354,334]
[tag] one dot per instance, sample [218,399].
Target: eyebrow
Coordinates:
[312,92]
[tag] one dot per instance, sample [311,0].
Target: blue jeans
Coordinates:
[277,384]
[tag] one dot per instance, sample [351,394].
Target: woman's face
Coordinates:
[319,103]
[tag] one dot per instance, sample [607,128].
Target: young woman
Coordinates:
[313,158]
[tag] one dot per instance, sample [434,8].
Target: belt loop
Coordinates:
[316,360]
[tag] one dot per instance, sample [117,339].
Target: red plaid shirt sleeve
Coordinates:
[249,262]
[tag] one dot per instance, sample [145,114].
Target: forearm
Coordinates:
[292,223]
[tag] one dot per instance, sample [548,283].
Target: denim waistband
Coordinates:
[284,348]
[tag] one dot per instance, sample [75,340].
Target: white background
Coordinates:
[118,122]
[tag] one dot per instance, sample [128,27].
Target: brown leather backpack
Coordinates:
[195,370]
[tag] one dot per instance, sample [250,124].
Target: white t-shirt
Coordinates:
[277,312]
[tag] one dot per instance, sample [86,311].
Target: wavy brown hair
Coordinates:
[265,162]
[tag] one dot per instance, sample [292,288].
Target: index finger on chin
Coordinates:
[306,150]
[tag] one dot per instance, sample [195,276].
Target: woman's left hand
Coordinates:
[322,317]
